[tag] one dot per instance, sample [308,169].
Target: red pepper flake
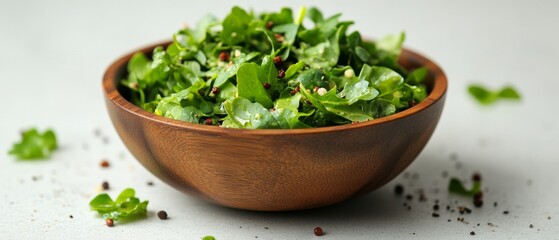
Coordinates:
[110,222]
[318,231]
[162,215]
[266,85]
[224,56]
[277,60]
[269,25]
[105,163]
[208,121]
[281,73]
[296,90]
[215,90]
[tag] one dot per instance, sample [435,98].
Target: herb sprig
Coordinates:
[125,207]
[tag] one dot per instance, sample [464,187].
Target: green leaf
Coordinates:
[126,206]
[488,97]
[322,55]
[351,113]
[208,238]
[313,78]
[293,69]
[358,90]
[267,71]
[250,87]
[231,71]
[392,45]
[417,76]
[315,15]
[247,114]
[34,145]
[385,80]
[456,186]
[235,26]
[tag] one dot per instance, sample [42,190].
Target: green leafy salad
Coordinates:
[270,71]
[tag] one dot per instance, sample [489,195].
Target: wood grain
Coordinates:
[272,169]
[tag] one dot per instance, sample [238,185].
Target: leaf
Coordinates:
[34,145]
[456,186]
[293,69]
[315,15]
[126,206]
[358,90]
[488,97]
[235,26]
[322,55]
[267,71]
[417,76]
[250,87]
[351,113]
[249,115]
[385,80]
[313,78]
[231,71]
[391,45]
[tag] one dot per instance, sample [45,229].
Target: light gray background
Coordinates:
[54,54]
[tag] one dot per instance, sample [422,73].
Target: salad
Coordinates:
[270,70]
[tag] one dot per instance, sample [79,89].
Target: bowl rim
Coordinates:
[111,93]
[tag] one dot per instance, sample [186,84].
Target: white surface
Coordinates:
[54,54]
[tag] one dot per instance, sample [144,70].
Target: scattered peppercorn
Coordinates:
[399,189]
[224,56]
[215,90]
[472,233]
[266,228]
[109,222]
[105,185]
[478,203]
[435,215]
[277,60]
[409,197]
[281,73]
[476,177]
[71,216]
[162,215]
[269,25]
[422,197]
[495,204]
[318,231]
[478,195]
[266,85]
[531,226]
[449,220]
[208,121]
[505,212]
[149,183]
[105,164]
[436,207]
[409,208]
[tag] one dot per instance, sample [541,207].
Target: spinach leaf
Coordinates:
[456,186]
[235,26]
[247,114]
[250,87]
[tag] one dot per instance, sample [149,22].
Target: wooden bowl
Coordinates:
[274,169]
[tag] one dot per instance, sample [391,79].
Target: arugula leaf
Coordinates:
[34,145]
[126,206]
[456,186]
[231,71]
[488,97]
